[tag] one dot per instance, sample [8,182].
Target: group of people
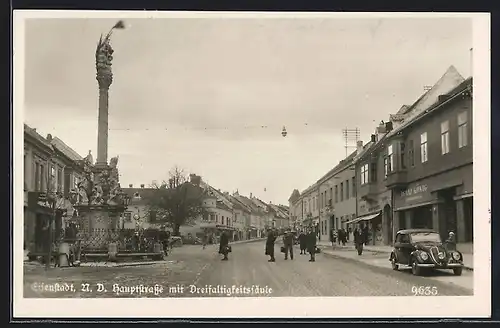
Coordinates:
[307,241]
[341,236]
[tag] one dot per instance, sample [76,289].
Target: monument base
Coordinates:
[99,225]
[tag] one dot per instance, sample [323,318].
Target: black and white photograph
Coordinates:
[251,164]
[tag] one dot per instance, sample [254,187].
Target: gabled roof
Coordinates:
[65,149]
[145,193]
[33,134]
[239,205]
[253,208]
[294,196]
[221,205]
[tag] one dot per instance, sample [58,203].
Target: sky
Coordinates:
[212,95]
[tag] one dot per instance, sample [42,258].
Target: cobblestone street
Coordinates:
[247,268]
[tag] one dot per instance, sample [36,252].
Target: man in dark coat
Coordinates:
[288,244]
[359,240]
[311,244]
[344,236]
[224,245]
[302,242]
[271,239]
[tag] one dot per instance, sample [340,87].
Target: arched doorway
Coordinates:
[387,213]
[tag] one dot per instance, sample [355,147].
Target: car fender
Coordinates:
[393,256]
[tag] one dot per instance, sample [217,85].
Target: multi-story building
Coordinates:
[375,201]
[337,197]
[49,166]
[430,166]
[256,228]
[295,209]
[310,214]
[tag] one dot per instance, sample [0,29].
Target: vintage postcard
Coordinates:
[216,164]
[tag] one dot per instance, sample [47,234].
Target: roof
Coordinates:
[294,196]
[239,205]
[339,167]
[65,149]
[32,133]
[220,204]
[247,202]
[145,193]
[408,231]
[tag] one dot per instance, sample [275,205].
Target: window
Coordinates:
[76,181]
[37,177]
[462,129]
[341,191]
[423,147]
[386,166]
[321,200]
[336,194]
[402,155]
[60,180]
[24,176]
[353,187]
[347,189]
[390,159]
[411,153]
[445,137]
[364,174]
[42,178]
[373,173]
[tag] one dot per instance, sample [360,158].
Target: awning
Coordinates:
[432,202]
[364,218]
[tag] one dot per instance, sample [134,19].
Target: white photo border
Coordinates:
[478,305]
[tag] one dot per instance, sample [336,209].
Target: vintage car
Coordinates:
[423,249]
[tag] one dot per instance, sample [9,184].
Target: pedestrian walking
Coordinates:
[333,237]
[224,246]
[339,233]
[311,245]
[288,244]
[271,239]
[344,237]
[359,240]
[302,242]
[204,240]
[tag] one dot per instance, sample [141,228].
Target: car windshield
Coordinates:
[418,237]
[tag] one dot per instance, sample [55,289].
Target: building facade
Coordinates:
[432,171]
[310,208]
[337,197]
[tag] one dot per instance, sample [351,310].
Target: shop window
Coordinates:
[445,137]
[462,129]
[386,166]
[423,147]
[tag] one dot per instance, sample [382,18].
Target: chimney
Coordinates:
[388,126]
[373,138]
[251,196]
[359,146]
[142,185]
[131,186]
[442,98]
[195,179]
[49,137]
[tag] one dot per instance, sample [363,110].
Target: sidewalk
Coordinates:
[465,249]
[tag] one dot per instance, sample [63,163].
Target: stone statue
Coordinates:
[104,57]
[83,198]
[113,163]
[89,158]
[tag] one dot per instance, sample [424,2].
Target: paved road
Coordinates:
[247,273]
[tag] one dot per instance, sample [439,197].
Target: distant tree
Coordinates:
[176,202]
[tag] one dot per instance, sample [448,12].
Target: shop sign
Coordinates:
[414,191]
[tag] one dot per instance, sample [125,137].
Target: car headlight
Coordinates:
[424,256]
[456,256]
[441,256]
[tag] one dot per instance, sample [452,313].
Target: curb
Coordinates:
[466,267]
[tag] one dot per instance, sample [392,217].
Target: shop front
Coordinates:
[375,215]
[442,203]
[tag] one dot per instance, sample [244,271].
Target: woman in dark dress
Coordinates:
[224,246]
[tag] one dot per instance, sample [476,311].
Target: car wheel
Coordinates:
[394,265]
[457,271]
[415,270]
